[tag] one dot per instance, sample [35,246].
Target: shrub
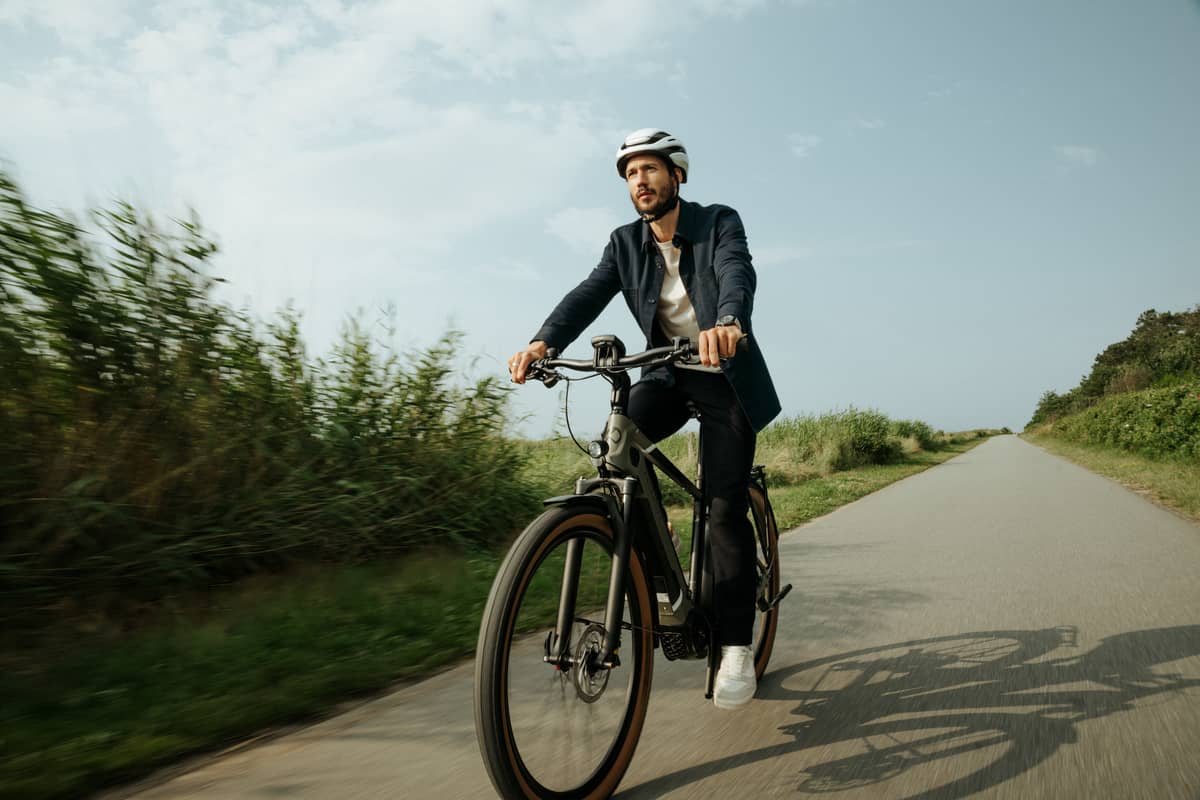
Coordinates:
[1159,423]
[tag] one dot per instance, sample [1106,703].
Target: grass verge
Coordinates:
[97,706]
[1172,483]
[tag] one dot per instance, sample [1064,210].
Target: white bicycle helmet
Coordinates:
[652,140]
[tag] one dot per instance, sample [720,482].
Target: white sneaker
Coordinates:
[735,683]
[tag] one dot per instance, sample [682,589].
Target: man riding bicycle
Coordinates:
[685,270]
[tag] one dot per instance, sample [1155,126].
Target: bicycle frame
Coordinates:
[626,464]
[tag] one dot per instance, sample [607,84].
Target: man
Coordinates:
[684,270]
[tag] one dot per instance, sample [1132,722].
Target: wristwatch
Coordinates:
[728,319]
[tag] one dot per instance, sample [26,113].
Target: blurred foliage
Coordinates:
[152,439]
[1163,350]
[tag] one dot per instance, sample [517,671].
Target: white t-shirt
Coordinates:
[675,312]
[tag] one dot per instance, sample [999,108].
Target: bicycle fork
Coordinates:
[558,643]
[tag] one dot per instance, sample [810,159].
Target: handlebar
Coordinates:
[609,359]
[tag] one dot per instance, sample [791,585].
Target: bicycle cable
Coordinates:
[567,410]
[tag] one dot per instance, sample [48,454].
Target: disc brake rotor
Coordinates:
[590,681]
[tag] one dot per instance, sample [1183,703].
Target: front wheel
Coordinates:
[568,732]
[766,535]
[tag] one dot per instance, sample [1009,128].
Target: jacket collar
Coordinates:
[685,230]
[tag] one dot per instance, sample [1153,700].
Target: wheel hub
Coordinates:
[589,677]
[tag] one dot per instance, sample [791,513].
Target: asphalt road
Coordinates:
[1003,625]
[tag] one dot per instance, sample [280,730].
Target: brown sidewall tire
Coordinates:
[764,523]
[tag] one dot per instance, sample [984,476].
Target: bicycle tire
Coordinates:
[499,718]
[766,534]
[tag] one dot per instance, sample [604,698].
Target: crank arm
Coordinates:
[767,605]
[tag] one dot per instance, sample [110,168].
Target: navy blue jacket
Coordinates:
[715,266]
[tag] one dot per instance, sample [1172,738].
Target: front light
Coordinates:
[597,449]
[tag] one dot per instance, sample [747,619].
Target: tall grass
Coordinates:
[835,441]
[153,439]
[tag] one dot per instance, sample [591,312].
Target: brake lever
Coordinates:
[548,377]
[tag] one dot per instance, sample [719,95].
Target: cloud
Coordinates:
[803,144]
[317,139]
[946,89]
[868,124]
[1078,155]
[585,230]
[78,23]
[66,98]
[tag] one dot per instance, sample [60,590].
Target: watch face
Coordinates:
[728,319]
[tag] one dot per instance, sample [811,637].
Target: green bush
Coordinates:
[1159,423]
[152,439]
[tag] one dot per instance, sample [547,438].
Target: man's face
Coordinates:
[652,187]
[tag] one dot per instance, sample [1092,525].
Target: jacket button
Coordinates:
[650,300]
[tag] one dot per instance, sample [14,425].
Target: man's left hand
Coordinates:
[719,342]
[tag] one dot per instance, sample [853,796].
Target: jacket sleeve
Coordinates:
[580,307]
[735,273]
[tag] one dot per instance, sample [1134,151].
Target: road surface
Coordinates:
[1005,625]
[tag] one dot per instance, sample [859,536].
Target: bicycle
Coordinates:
[559,705]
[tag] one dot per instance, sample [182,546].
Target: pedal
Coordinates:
[764,605]
[673,646]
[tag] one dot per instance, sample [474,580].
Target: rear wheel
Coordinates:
[570,732]
[767,571]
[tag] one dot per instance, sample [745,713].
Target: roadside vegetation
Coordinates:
[205,531]
[1135,416]
[1162,351]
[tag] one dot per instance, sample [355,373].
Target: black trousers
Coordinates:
[728,443]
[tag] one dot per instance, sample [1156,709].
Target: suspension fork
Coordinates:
[557,650]
[620,570]
[558,644]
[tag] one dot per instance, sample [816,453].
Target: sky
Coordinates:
[952,206]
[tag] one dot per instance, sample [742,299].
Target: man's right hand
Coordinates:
[518,365]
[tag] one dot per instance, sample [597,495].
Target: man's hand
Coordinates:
[518,365]
[719,342]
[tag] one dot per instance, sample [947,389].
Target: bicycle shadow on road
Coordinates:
[996,697]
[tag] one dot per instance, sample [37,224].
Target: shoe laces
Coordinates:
[736,657]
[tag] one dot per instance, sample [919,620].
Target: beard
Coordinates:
[665,201]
